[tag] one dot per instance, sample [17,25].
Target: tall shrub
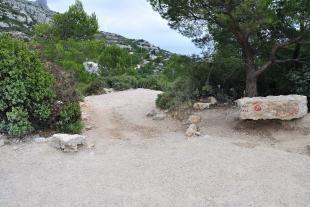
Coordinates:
[26,89]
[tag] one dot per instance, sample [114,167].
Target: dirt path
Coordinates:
[141,162]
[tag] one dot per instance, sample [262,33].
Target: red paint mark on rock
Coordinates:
[257,108]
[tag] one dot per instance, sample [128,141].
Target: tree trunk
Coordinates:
[251,82]
[248,57]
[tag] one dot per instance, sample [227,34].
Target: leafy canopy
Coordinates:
[75,23]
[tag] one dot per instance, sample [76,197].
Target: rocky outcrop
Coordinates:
[91,67]
[21,15]
[273,107]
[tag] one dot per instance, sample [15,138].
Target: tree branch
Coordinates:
[274,50]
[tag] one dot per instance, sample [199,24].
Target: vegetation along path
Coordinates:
[138,161]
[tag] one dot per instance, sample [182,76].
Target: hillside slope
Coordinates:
[19,16]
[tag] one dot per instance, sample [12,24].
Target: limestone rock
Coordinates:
[192,131]
[108,90]
[212,100]
[194,119]
[91,67]
[273,107]
[66,142]
[159,116]
[201,106]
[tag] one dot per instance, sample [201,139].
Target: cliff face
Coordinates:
[18,16]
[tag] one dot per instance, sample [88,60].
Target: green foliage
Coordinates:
[258,31]
[69,118]
[116,61]
[17,123]
[122,82]
[301,82]
[26,88]
[75,23]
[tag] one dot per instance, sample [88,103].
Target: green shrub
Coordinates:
[97,86]
[150,82]
[69,118]
[26,88]
[17,123]
[74,23]
[122,82]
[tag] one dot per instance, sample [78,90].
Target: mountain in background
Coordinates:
[18,17]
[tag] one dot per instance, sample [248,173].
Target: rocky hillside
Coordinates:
[18,16]
[150,54]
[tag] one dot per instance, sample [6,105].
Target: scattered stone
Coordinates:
[151,113]
[194,119]
[67,143]
[108,90]
[273,107]
[159,116]
[192,131]
[201,106]
[90,146]
[39,139]
[212,100]
[88,127]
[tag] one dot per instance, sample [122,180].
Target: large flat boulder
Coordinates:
[273,107]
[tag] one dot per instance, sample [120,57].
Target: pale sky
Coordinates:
[133,19]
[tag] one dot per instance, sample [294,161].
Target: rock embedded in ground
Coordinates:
[194,119]
[201,106]
[273,107]
[151,113]
[66,142]
[159,116]
[212,100]
[192,131]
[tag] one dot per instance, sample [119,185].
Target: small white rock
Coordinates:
[90,146]
[201,106]
[212,100]
[192,131]
[159,116]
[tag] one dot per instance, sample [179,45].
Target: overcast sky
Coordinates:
[133,19]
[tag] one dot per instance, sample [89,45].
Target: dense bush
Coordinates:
[69,118]
[26,89]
